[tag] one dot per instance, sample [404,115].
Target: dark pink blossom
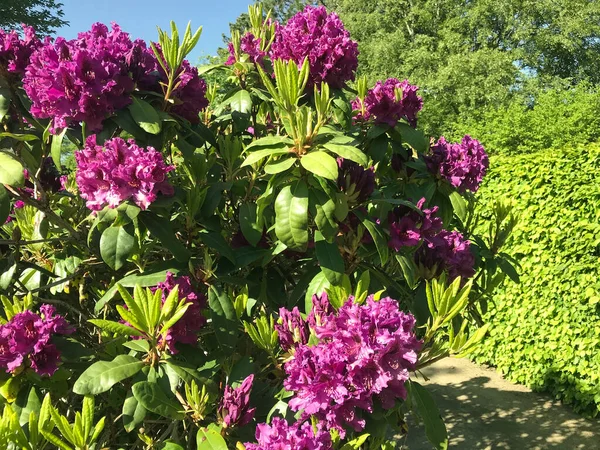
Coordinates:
[355,181]
[298,436]
[291,328]
[250,45]
[45,362]
[16,51]
[81,80]
[120,171]
[388,102]
[408,226]
[446,251]
[234,409]
[462,164]
[322,38]
[365,352]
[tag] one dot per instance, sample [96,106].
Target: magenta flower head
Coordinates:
[234,407]
[291,328]
[81,80]
[120,171]
[26,338]
[298,436]
[447,251]
[463,164]
[322,38]
[365,353]
[16,51]
[355,181]
[388,102]
[250,45]
[320,311]
[185,329]
[408,227]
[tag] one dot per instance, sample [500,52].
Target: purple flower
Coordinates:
[185,329]
[322,38]
[388,102]
[45,362]
[234,407]
[408,227]
[447,251]
[365,352]
[282,436]
[291,328]
[120,171]
[81,80]
[320,311]
[355,181]
[463,164]
[14,51]
[27,336]
[250,45]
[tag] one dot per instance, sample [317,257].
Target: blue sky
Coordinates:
[140,18]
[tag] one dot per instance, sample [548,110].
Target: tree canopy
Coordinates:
[44,15]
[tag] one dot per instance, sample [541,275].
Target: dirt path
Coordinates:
[484,411]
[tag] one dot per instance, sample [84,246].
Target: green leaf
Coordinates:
[413,137]
[210,440]
[154,399]
[281,165]
[162,229]
[257,155]
[56,147]
[4,102]
[320,163]
[20,137]
[317,286]
[27,402]
[217,242]
[150,278]
[270,142]
[348,152]
[241,101]
[291,215]
[251,230]
[223,317]
[102,375]
[11,171]
[459,205]
[424,405]
[145,116]
[116,327]
[409,270]
[325,214]
[4,204]
[330,259]
[220,303]
[116,245]
[138,345]
[379,237]
[133,412]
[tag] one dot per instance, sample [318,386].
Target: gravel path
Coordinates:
[484,411]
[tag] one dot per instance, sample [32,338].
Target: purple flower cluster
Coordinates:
[388,102]
[80,80]
[27,337]
[447,251]
[185,329]
[462,164]
[120,171]
[322,38]
[282,436]
[355,181]
[408,226]
[440,250]
[15,52]
[250,45]
[365,352]
[234,408]
[292,329]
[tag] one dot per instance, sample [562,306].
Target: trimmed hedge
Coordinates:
[545,332]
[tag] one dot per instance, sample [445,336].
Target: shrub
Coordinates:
[537,119]
[545,332]
[268,269]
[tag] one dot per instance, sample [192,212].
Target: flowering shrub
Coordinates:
[269,269]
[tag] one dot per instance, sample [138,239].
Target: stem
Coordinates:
[431,361]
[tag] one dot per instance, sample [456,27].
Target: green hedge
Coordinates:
[545,332]
[536,119]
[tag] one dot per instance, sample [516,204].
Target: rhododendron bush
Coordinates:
[267,268]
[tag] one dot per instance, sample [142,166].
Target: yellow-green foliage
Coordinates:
[545,332]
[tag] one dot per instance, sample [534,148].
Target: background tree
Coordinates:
[44,15]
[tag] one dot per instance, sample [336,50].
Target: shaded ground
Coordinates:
[484,411]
